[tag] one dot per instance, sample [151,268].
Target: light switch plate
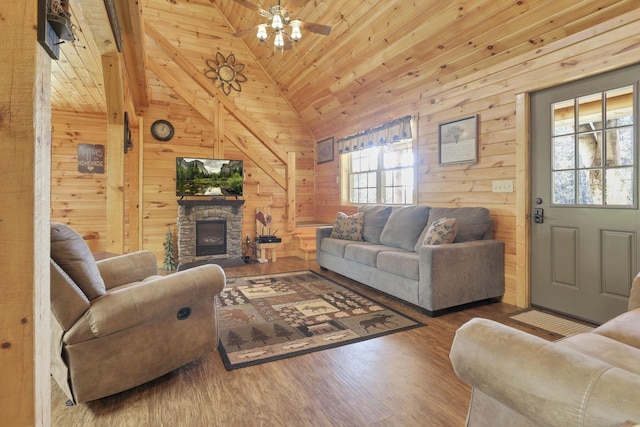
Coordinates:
[504,186]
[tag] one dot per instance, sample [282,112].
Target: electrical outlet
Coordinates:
[504,186]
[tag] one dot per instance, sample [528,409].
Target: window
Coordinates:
[383,174]
[593,147]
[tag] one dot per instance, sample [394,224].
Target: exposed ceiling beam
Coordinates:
[206,85]
[132,30]
[96,14]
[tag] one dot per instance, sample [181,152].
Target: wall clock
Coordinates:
[162,130]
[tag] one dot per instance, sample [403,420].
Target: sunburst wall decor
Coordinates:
[227,72]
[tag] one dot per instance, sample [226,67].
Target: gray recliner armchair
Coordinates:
[521,380]
[117,324]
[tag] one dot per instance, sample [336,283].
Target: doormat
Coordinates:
[550,322]
[272,317]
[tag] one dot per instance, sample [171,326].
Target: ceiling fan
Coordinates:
[278,19]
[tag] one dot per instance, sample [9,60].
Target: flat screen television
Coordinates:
[208,177]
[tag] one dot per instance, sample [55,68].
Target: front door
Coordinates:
[585,227]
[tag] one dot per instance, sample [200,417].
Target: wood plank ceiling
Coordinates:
[378,51]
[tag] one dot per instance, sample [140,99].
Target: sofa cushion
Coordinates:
[375,217]
[473,223]
[624,328]
[404,226]
[366,253]
[348,227]
[72,254]
[441,232]
[400,263]
[335,246]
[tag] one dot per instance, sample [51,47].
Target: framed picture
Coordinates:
[90,158]
[458,141]
[325,150]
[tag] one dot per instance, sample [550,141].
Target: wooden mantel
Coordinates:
[189,203]
[192,203]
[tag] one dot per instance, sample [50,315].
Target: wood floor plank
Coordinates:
[400,379]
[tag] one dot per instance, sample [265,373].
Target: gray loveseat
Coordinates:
[392,258]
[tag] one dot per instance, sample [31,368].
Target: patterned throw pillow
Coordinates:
[348,227]
[441,231]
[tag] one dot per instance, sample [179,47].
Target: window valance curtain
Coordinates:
[388,133]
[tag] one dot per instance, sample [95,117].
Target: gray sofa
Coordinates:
[391,256]
[520,380]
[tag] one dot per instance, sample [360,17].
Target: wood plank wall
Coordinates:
[79,199]
[492,94]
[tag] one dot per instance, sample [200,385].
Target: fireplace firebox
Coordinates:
[211,237]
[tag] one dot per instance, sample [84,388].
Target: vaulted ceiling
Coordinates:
[377,51]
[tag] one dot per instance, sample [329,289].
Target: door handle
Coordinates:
[538,215]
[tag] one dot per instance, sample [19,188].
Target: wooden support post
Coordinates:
[218,129]
[291,191]
[133,175]
[114,94]
[140,236]
[25,165]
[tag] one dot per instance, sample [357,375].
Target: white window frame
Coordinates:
[380,175]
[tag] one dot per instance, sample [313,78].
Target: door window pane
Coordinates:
[590,150]
[564,152]
[619,107]
[590,112]
[620,147]
[590,187]
[564,118]
[564,188]
[605,165]
[620,186]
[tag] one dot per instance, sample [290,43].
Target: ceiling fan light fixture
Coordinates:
[262,32]
[276,22]
[296,34]
[278,42]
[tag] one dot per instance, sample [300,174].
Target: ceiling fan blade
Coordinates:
[253,6]
[296,5]
[316,28]
[241,33]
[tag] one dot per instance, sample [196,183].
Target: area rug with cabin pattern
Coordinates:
[271,317]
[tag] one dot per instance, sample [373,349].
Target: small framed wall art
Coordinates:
[458,140]
[325,150]
[90,158]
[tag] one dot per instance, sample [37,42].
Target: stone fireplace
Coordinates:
[209,231]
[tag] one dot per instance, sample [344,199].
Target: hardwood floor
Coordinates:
[402,379]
